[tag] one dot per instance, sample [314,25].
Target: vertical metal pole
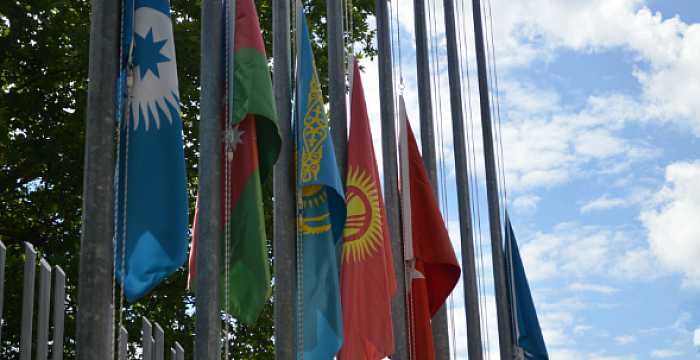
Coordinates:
[427,130]
[146,332]
[42,325]
[180,351]
[471,295]
[284,202]
[59,308]
[153,347]
[336,83]
[505,341]
[123,342]
[28,302]
[3,251]
[95,275]
[159,342]
[146,339]
[441,337]
[391,187]
[208,323]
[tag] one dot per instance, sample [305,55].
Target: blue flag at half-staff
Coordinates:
[151,211]
[323,212]
[529,343]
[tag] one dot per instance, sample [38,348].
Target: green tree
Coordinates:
[43,88]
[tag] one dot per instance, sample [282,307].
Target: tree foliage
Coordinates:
[43,90]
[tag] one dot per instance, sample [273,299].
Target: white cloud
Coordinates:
[602,203]
[609,357]
[672,87]
[625,339]
[672,226]
[667,49]
[696,337]
[636,263]
[596,288]
[608,252]
[550,148]
[526,203]
[556,328]
[665,353]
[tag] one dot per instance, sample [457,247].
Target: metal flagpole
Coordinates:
[391,186]
[441,338]
[284,200]
[208,322]
[504,324]
[336,84]
[94,318]
[406,223]
[471,295]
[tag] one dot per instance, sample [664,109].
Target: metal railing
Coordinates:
[44,298]
[152,341]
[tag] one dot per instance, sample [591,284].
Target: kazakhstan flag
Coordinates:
[323,211]
[151,211]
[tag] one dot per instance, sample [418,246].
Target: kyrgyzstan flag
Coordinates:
[436,269]
[367,272]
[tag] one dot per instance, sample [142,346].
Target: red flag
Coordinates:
[436,268]
[367,272]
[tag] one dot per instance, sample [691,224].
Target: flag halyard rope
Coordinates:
[298,199]
[123,104]
[229,88]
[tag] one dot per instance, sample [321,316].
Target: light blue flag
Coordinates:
[528,335]
[150,183]
[323,213]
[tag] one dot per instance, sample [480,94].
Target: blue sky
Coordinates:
[600,111]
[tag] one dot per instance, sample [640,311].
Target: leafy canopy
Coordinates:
[43,89]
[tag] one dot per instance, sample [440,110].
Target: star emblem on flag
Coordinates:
[147,54]
[232,138]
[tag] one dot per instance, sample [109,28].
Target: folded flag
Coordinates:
[367,273]
[322,212]
[151,194]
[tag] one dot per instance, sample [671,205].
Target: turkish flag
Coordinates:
[367,272]
[436,269]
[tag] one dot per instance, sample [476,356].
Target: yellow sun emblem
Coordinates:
[316,219]
[363,227]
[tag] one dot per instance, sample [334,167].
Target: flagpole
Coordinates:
[391,189]
[336,83]
[441,337]
[94,318]
[208,321]
[406,217]
[505,340]
[471,295]
[284,200]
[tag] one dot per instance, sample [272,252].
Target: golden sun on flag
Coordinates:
[315,222]
[363,227]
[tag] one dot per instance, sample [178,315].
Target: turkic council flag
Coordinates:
[436,268]
[151,187]
[323,212]
[367,273]
[251,147]
[527,331]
